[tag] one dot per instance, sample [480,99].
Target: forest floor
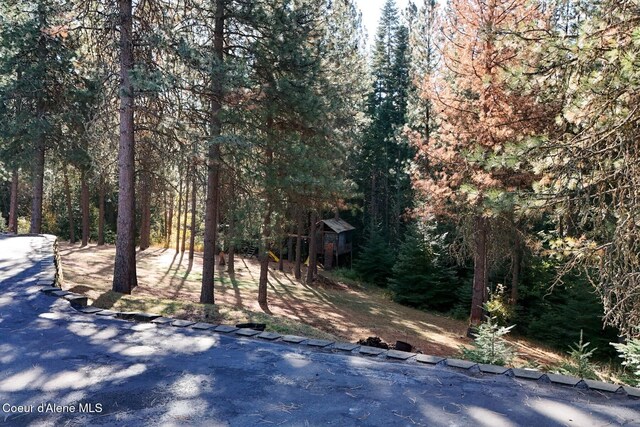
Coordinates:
[347,310]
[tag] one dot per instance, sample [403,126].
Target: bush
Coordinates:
[580,365]
[489,344]
[630,353]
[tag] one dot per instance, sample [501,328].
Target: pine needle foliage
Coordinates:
[490,345]
[630,353]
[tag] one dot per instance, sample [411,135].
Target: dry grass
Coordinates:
[349,312]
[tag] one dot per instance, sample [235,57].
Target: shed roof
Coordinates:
[338,225]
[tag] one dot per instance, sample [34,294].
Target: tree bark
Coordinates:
[231,268]
[194,193]
[145,217]
[13,207]
[67,195]
[170,220]
[479,271]
[84,202]
[101,197]
[178,214]
[264,259]
[312,249]
[290,254]
[39,147]
[297,270]
[124,272]
[516,268]
[186,212]
[213,163]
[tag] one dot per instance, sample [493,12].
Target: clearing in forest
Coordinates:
[347,311]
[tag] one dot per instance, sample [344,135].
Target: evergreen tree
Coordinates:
[382,158]
[37,65]
[474,166]
[422,276]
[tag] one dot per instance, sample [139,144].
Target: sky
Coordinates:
[371,14]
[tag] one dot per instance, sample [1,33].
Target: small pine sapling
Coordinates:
[630,353]
[490,345]
[580,355]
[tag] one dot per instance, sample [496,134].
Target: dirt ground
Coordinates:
[349,312]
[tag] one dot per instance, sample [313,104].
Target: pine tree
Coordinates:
[422,276]
[124,274]
[37,54]
[382,158]
[472,166]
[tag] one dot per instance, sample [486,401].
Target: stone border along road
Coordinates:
[48,269]
[79,302]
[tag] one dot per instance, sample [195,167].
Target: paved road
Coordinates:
[135,374]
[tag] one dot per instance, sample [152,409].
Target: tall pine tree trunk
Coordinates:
[479,270]
[101,197]
[124,272]
[290,254]
[312,249]
[186,212]
[231,268]
[297,270]
[213,161]
[145,207]
[39,147]
[170,220]
[194,193]
[67,195]
[84,205]
[178,213]
[516,268]
[264,259]
[13,204]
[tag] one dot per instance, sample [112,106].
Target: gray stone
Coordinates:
[293,339]
[126,315]
[106,313]
[563,379]
[492,369]
[49,289]
[602,386]
[632,391]
[60,293]
[371,351]
[162,320]
[181,323]
[459,363]
[89,310]
[203,326]
[426,358]
[529,374]
[319,343]
[246,332]
[77,300]
[345,346]
[399,355]
[145,317]
[269,336]
[225,329]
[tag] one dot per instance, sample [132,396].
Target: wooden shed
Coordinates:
[335,240]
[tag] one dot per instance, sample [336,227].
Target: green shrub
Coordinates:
[630,353]
[580,365]
[498,306]
[489,344]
